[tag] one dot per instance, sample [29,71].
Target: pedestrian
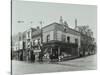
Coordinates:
[51,57]
[48,57]
[40,57]
[32,56]
[21,56]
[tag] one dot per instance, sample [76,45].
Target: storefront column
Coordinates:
[51,50]
[78,51]
[58,51]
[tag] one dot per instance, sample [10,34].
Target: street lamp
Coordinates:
[41,33]
[41,37]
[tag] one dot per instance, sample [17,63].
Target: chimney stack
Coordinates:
[65,23]
[38,27]
[61,20]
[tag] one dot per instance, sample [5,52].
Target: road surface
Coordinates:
[86,63]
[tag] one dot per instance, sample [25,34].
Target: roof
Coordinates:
[49,25]
[73,31]
[68,29]
[37,32]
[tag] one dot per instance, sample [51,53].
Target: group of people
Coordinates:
[30,56]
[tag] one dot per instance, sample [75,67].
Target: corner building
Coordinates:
[59,39]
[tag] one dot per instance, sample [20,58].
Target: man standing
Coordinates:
[32,56]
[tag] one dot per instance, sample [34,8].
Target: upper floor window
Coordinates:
[28,34]
[48,38]
[23,37]
[23,45]
[19,38]
[38,41]
[64,38]
[68,39]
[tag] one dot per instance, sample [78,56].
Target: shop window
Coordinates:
[33,42]
[76,41]
[39,41]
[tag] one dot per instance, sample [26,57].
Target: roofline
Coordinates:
[50,24]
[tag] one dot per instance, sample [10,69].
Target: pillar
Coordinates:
[58,51]
[51,50]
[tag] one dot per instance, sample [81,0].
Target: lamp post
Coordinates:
[41,33]
[41,37]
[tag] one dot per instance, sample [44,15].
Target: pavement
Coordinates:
[85,63]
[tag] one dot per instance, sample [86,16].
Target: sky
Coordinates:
[31,13]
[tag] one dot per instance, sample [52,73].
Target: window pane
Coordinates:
[68,39]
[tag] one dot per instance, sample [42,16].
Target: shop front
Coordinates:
[58,49]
